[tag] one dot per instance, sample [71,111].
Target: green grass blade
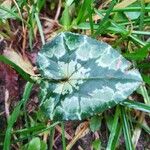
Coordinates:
[137,40]
[116,137]
[105,19]
[86,4]
[136,105]
[110,143]
[126,130]
[40,28]
[13,117]
[30,38]
[145,94]
[90,13]
[30,129]
[37,133]
[142,15]
[141,32]
[51,138]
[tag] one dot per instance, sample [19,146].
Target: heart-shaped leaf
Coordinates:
[82,76]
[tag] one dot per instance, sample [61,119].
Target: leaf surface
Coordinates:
[82,77]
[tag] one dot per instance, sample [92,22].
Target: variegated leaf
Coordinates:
[82,76]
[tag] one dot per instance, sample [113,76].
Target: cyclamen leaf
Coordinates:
[82,77]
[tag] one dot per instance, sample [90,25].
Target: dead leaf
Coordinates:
[80,132]
[125,3]
[19,60]
[82,129]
